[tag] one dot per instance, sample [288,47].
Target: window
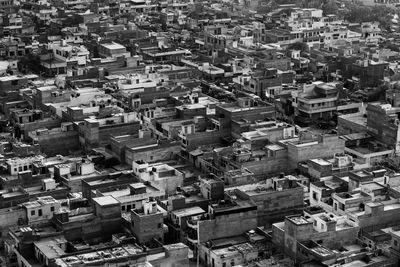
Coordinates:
[40,212]
[128,207]
[342,206]
[51,209]
[123,207]
[314,195]
[233,263]
[33,213]
[160,225]
[395,243]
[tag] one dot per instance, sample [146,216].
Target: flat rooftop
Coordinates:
[188,212]
[106,200]
[113,45]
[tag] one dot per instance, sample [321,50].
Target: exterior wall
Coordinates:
[174,257]
[226,226]
[13,201]
[28,127]
[274,206]
[252,114]
[347,126]
[278,235]
[12,85]
[123,129]
[370,75]
[90,228]
[59,144]
[93,135]
[147,227]
[327,147]
[382,126]
[268,166]
[111,185]
[331,239]
[75,185]
[169,184]
[159,153]
[10,218]
[204,138]
[379,220]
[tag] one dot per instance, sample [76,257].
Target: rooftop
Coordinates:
[106,200]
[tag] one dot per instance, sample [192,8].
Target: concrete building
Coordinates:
[113,50]
[147,224]
[306,148]
[325,229]
[41,209]
[275,198]
[162,176]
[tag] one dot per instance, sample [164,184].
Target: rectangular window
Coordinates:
[32,212]
[40,212]
[314,195]
[51,209]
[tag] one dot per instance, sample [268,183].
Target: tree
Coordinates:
[298,46]
[378,93]
[31,63]
[330,7]
[360,13]
[395,77]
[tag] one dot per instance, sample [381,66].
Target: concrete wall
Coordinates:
[11,218]
[204,138]
[267,167]
[147,227]
[330,239]
[327,147]
[175,255]
[120,129]
[159,153]
[379,219]
[226,226]
[28,127]
[273,206]
[347,126]
[62,143]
